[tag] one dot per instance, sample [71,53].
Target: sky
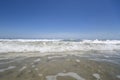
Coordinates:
[72,19]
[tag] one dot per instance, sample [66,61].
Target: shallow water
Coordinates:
[61,67]
[59,60]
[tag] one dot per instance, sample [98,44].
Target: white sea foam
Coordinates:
[33,66]
[77,60]
[24,67]
[51,57]
[37,60]
[10,67]
[70,74]
[97,76]
[29,40]
[10,61]
[118,76]
[36,69]
[43,46]
[6,62]
[40,75]
[106,60]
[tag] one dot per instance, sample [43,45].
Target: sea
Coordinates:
[59,59]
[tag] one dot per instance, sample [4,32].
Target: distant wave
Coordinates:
[56,45]
[30,40]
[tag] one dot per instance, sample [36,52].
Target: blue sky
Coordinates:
[81,19]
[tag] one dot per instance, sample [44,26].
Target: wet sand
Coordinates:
[57,67]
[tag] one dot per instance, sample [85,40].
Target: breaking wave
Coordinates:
[58,45]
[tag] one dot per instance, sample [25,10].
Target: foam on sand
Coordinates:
[118,76]
[10,61]
[33,66]
[36,69]
[70,74]
[40,75]
[97,76]
[77,60]
[10,67]
[51,57]
[24,67]
[37,60]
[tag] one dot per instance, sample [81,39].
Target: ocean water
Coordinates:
[87,59]
[43,46]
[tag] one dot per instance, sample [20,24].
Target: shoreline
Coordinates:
[59,67]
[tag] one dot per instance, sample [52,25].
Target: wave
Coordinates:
[56,45]
[30,40]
